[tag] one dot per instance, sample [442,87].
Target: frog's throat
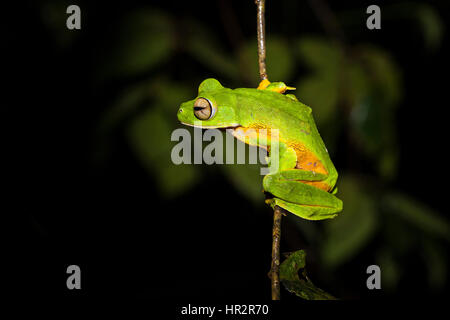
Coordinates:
[249,135]
[230,126]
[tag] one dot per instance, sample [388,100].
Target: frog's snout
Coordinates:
[181,113]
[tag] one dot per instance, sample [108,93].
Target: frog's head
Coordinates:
[214,107]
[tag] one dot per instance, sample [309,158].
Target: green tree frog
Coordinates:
[305,182]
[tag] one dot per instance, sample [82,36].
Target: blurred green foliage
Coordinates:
[302,286]
[354,91]
[145,41]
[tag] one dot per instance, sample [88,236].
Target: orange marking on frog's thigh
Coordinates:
[317,184]
[306,160]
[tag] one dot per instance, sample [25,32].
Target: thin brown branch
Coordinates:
[274,273]
[260,26]
[275,267]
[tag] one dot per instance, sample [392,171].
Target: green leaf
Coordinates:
[201,44]
[145,40]
[356,83]
[169,95]
[417,214]
[247,180]
[320,89]
[301,286]
[391,269]
[432,26]
[149,137]
[280,61]
[436,263]
[320,55]
[373,91]
[383,73]
[373,128]
[351,230]
[112,118]
[127,103]
[388,162]
[321,94]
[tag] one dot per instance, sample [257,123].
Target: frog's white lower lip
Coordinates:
[233,125]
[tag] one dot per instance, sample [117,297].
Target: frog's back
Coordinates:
[272,105]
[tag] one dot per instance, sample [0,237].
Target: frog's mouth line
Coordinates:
[231,126]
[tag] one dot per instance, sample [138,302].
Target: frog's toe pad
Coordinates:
[263,84]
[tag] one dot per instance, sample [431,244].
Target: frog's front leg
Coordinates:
[279,87]
[304,200]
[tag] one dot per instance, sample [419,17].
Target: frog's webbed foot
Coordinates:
[279,87]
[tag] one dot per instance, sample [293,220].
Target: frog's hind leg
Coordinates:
[305,211]
[302,199]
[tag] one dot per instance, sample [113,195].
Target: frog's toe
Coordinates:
[279,87]
[263,84]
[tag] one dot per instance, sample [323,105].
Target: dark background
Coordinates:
[207,242]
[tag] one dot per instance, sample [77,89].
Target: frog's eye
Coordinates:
[203,109]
